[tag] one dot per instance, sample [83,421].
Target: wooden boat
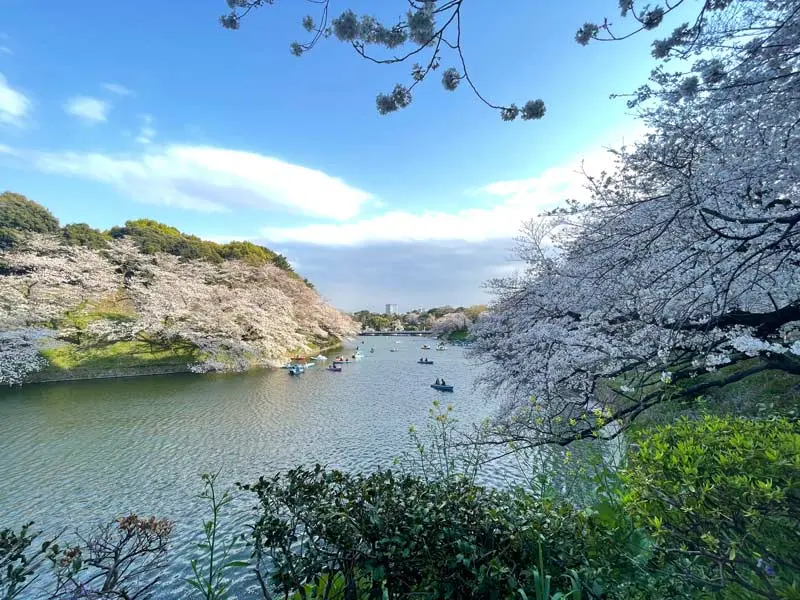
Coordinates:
[424,362]
[442,388]
[320,357]
[334,369]
[393,350]
[296,370]
[426,347]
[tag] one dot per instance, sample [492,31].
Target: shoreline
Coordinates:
[86,374]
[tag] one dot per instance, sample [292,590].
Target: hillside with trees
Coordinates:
[76,299]
[444,321]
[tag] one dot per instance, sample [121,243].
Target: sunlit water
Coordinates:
[78,454]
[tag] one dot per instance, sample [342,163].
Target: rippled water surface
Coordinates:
[80,453]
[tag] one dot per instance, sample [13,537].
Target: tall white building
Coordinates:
[391,309]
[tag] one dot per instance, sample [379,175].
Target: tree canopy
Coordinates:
[683,265]
[19,213]
[429,36]
[81,234]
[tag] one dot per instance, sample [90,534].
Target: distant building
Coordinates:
[391,309]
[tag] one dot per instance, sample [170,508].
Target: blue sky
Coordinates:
[114,111]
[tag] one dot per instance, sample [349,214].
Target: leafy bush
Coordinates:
[246,251]
[20,557]
[80,234]
[8,238]
[152,237]
[19,213]
[723,493]
[398,535]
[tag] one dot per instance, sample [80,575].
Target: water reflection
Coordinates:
[80,453]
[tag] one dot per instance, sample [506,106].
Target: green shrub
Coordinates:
[8,238]
[400,536]
[21,555]
[247,252]
[80,234]
[19,213]
[152,237]
[724,495]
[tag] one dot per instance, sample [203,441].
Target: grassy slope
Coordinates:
[765,393]
[768,392]
[116,355]
[127,355]
[113,356]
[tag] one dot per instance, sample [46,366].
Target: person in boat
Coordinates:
[443,383]
[437,382]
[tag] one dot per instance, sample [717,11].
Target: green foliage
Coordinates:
[247,252]
[475,311]
[210,573]
[399,535]
[80,234]
[459,335]
[282,262]
[152,237]
[723,495]
[17,213]
[116,355]
[20,557]
[8,238]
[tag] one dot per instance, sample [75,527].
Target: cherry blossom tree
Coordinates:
[232,315]
[19,354]
[684,259]
[42,280]
[454,321]
[237,315]
[428,33]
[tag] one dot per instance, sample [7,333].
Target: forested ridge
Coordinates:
[146,294]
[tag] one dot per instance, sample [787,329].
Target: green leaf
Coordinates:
[238,564]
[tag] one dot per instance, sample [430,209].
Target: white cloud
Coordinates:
[147,132]
[14,105]
[508,204]
[207,178]
[88,109]
[6,50]
[116,88]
